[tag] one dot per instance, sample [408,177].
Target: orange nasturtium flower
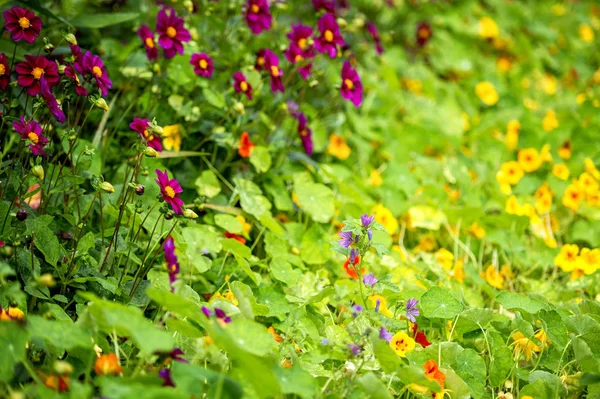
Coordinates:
[338,147]
[58,383]
[246,145]
[107,364]
[11,313]
[433,373]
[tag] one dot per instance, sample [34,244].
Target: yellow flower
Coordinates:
[561,171]
[531,104]
[591,168]
[504,64]
[375,179]
[523,344]
[445,258]
[580,98]
[11,313]
[512,206]
[550,122]
[477,230]
[378,302]
[586,33]
[506,272]
[589,260]
[510,172]
[466,121]
[413,85]
[588,184]
[549,84]
[545,153]
[567,257]
[426,244]
[564,151]
[493,278]
[246,227]
[385,217]
[402,343]
[512,135]
[488,29]
[172,137]
[487,93]
[458,272]
[529,159]
[338,147]
[572,197]
[543,199]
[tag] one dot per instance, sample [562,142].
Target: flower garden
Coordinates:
[300,199]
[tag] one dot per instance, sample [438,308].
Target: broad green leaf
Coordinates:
[207,184]
[243,264]
[44,239]
[176,304]
[314,198]
[58,334]
[214,98]
[295,381]
[388,359]
[555,327]
[251,198]
[260,158]
[13,341]
[440,303]
[229,223]
[195,380]
[284,272]
[471,368]
[247,302]
[522,302]
[373,386]
[314,248]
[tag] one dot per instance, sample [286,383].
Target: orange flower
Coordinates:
[58,383]
[11,313]
[433,373]
[241,239]
[351,271]
[107,364]
[564,151]
[276,336]
[245,146]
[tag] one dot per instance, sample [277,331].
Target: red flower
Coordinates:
[235,237]
[31,70]
[259,64]
[147,37]
[354,258]
[245,146]
[203,65]
[433,373]
[423,33]
[420,337]
[22,24]
[72,74]
[241,85]
[4,72]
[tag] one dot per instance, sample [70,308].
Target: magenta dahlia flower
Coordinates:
[305,134]
[330,36]
[32,131]
[147,36]
[171,32]
[4,72]
[141,126]
[258,15]
[93,65]
[241,85]
[351,88]
[72,74]
[375,35]
[327,5]
[272,66]
[31,70]
[172,261]
[203,65]
[170,190]
[22,24]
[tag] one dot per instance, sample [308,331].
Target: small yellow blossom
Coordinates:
[458,272]
[564,151]
[504,64]
[385,217]
[581,97]
[550,121]
[529,159]
[591,168]
[572,197]
[487,93]
[549,84]
[512,135]
[246,227]
[488,28]
[543,199]
[426,244]
[512,206]
[338,147]
[445,258]
[567,257]
[172,137]
[545,153]
[586,33]
[522,344]
[561,171]
[510,172]
[12,313]
[402,343]
[477,230]
[466,121]
[493,277]
[375,179]
[588,184]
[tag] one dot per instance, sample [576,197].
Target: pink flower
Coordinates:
[31,70]
[4,72]
[172,261]
[32,131]
[241,85]
[51,101]
[305,134]
[72,74]
[327,5]
[203,65]
[141,126]
[272,65]
[330,36]
[258,15]
[147,37]
[351,88]
[170,190]
[375,35]
[171,32]
[22,24]
[299,49]
[93,65]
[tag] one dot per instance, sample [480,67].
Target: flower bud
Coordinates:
[107,187]
[101,103]
[139,189]
[70,38]
[239,107]
[188,213]
[22,215]
[151,152]
[38,171]
[47,280]
[189,6]
[358,22]
[342,23]
[49,47]
[61,69]
[62,367]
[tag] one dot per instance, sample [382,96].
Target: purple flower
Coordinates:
[272,65]
[411,309]
[375,35]
[72,74]
[356,309]
[305,134]
[170,190]
[327,5]
[206,311]
[353,255]
[171,32]
[385,334]
[31,71]
[241,85]
[300,49]
[93,65]
[324,341]
[330,36]
[366,220]
[222,316]
[346,238]
[377,304]
[172,262]
[370,234]
[351,88]
[22,24]
[4,72]
[141,127]
[203,65]
[177,355]
[294,109]
[258,15]
[165,374]
[369,280]
[32,131]
[355,349]
[51,101]
[147,36]
[259,64]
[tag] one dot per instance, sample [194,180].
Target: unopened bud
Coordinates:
[49,47]
[38,171]
[151,152]
[107,187]
[61,69]
[62,367]
[188,213]
[358,22]
[101,103]
[342,23]
[47,280]
[70,38]
[139,189]
[22,215]
[239,107]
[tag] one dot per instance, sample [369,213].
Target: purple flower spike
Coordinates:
[345,239]
[370,234]
[411,309]
[356,309]
[355,349]
[385,334]
[206,311]
[353,254]
[377,305]
[366,220]
[221,315]
[369,280]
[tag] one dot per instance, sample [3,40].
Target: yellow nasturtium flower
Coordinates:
[477,230]
[338,147]
[572,197]
[487,93]
[488,28]
[402,343]
[529,159]
[586,33]
[522,344]
[375,179]
[510,172]
[591,168]
[567,257]
[385,217]
[493,277]
[512,135]
[445,258]
[171,137]
[561,171]
[550,122]
[588,184]
[564,151]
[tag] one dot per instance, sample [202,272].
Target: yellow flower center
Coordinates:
[302,43]
[260,61]
[2,69]
[299,58]
[169,192]
[37,73]
[255,9]
[423,33]
[24,22]
[97,71]
[145,133]
[243,85]
[349,84]
[328,35]
[33,137]
[303,132]
[203,64]
[274,71]
[171,32]
[149,42]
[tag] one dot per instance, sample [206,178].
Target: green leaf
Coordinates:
[388,359]
[373,386]
[522,302]
[553,382]
[197,380]
[176,304]
[537,389]
[251,198]
[314,248]
[214,98]
[284,272]
[236,248]
[229,223]
[58,334]
[13,341]
[85,243]
[207,184]
[554,326]
[501,361]
[243,263]
[457,388]
[44,239]
[440,303]
[471,368]
[247,302]
[314,198]
[95,20]
[146,388]
[260,158]
[295,381]
[415,375]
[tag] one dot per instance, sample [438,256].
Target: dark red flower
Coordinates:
[203,65]
[240,239]
[258,15]
[423,33]
[172,33]
[147,36]
[22,24]
[300,50]
[241,85]
[32,131]
[420,337]
[4,72]
[259,64]
[327,5]
[330,36]
[51,101]
[305,134]
[31,70]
